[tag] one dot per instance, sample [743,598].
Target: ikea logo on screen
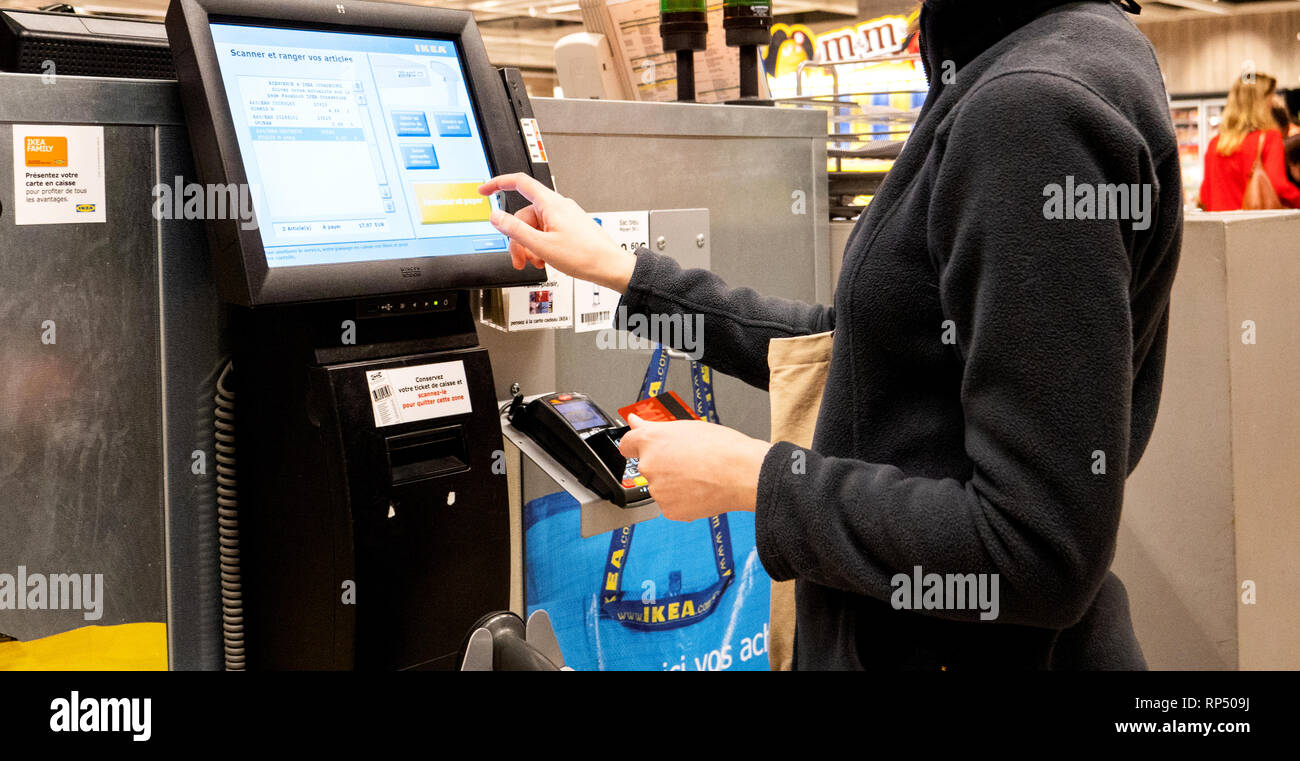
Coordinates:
[431,47]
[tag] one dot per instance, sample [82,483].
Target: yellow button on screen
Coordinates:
[640,481]
[444,202]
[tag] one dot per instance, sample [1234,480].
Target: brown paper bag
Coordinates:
[797,370]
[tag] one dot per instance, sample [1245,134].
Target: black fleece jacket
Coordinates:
[996,366]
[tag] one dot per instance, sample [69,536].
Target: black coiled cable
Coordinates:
[232,598]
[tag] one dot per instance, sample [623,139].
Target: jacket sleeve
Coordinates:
[1042,316]
[737,322]
[1275,166]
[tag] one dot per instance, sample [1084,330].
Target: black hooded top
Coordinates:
[998,352]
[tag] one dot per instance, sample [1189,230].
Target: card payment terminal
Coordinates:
[584,439]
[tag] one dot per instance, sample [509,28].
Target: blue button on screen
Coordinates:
[419,157]
[452,125]
[410,124]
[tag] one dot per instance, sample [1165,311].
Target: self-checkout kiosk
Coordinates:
[372,505]
[269,416]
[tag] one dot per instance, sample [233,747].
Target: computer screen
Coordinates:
[356,147]
[355,135]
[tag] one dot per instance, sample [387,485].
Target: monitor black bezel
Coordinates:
[240,268]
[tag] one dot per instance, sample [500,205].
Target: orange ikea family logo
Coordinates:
[47,151]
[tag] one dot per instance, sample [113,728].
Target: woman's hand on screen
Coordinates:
[555,230]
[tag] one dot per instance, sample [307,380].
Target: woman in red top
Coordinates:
[1230,158]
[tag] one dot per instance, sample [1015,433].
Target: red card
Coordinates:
[662,408]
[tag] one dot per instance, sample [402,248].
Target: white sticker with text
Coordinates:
[594,305]
[58,174]
[405,394]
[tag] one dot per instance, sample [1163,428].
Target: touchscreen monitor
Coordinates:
[354,137]
[356,147]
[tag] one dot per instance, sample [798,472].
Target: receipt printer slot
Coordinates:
[426,454]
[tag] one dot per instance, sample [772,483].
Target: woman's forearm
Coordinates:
[728,327]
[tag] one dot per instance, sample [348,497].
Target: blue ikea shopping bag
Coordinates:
[658,595]
[566,574]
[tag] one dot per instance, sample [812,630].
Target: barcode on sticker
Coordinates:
[589,317]
[382,398]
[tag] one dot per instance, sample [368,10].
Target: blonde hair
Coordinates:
[1249,108]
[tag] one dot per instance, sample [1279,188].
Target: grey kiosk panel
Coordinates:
[737,174]
[98,430]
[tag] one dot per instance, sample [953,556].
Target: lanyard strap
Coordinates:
[678,608]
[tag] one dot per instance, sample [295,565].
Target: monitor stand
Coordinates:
[374,522]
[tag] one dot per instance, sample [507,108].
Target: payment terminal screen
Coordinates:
[357,147]
[581,415]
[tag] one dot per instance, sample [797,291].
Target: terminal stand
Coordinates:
[599,515]
[369,545]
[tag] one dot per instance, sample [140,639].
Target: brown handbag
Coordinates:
[1259,189]
[798,367]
